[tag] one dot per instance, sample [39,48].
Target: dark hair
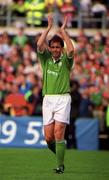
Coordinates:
[56,38]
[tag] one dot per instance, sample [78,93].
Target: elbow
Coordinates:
[72,49]
[39,47]
[71,52]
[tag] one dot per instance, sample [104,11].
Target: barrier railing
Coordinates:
[79,21]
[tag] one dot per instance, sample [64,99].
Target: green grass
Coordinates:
[37,164]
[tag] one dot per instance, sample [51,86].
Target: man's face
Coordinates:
[56,50]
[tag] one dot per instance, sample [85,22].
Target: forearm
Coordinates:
[69,44]
[42,39]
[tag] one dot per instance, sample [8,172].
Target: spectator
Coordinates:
[68,10]
[28,53]
[98,10]
[97,42]
[105,121]
[85,5]
[14,102]
[20,39]
[98,110]
[35,10]
[3,47]
[74,114]
[86,106]
[15,58]
[35,100]
[24,85]
[6,43]
[18,8]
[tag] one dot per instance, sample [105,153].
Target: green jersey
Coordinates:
[56,74]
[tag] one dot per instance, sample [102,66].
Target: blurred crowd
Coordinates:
[35,11]
[90,77]
[21,76]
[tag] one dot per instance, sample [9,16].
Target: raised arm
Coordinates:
[41,41]
[69,44]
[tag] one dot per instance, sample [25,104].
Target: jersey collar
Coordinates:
[56,61]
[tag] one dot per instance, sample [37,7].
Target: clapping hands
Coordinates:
[64,23]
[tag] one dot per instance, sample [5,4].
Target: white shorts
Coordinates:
[56,108]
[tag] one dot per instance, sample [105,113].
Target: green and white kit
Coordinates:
[56,87]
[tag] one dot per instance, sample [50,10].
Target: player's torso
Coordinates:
[56,76]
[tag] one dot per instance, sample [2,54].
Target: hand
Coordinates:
[64,23]
[50,21]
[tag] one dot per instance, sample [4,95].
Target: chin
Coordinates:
[56,57]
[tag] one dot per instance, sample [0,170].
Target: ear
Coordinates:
[49,48]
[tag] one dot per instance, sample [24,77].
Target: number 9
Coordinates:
[9,129]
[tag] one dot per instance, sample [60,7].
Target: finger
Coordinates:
[65,19]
